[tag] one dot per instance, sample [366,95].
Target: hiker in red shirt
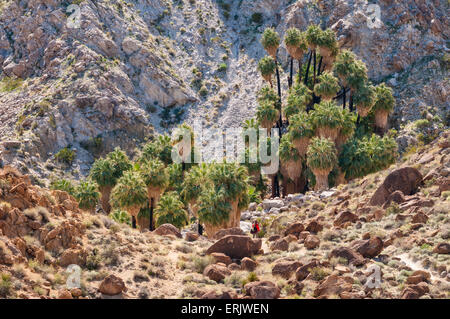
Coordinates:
[255,228]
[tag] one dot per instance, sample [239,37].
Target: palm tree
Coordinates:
[64,185]
[294,45]
[384,104]
[130,194]
[321,158]
[327,120]
[87,195]
[290,159]
[301,131]
[313,38]
[266,115]
[298,99]
[194,180]
[343,68]
[160,148]
[328,48]
[266,66]
[346,130]
[364,99]
[220,205]
[156,179]
[170,210]
[327,86]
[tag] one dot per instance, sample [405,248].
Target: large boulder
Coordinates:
[312,242]
[167,230]
[73,256]
[333,285]
[344,217]
[216,272]
[112,285]
[272,203]
[442,248]
[294,229]
[248,264]
[236,246]
[302,272]
[369,248]
[229,231]
[405,179]
[221,258]
[353,257]
[285,268]
[262,290]
[280,244]
[219,295]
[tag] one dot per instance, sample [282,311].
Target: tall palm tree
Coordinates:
[321,158]
[346,130]
[384,104]
[290,159]
[106,172]
[313,38]
[298,99]
[155,177]
[293,40]
[160,148]
[328,49]
[130,194]
[87,195]
[301,131]
[327,120]
[343,68]
[267,115]
[194,181]
[327,86]
[266,66]
[170,210]
[364,99]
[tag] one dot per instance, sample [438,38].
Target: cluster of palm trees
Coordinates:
[154,190]
[330,107]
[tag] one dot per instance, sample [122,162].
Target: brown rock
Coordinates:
[236,246]
[73,256]
[221,258]
[216,272]
[234,267]
[285,268]
[369,248]
[405,179]
[312,241]
[167,229]
[112,285]
[262,290]
[294,229]
[345,216]
[229,231]
[418,276]
[419,218]
[314,227]
[350,254]
[333,285]
[442,248]
[191,236]
[274,238]
[76,292]
[219,295]
[302,272]
[64,294]
[281,244]
[248,264]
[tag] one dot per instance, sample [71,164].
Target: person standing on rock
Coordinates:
[255,228]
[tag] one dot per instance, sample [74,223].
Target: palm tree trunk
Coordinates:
[133,222]
[291,74]
[299,70]
[319,71]
[280,123]
[151,214]
[307,68]
[351,101]
[314,69]
[343,98]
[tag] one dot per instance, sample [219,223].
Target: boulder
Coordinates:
[248,264]
[405,179]
[112,285]
[281,244]
[219,295]
[272,203]
[415,291]
[229,231]
[294,229]
[312,241]
[64,294]
[285,269]
[262,290]
[166,230]
[314,227]
[369,248]
[353,257]
[333,285]
[216,272]
[344,217]
[75,256]
[442,248]
[236,246]
[420,218]
[191,236]
[418,276]
[302,272]
[221,258]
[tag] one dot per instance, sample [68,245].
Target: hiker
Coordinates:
[255,228]
[200,229]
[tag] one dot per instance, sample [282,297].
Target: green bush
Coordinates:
[64,185]
[87,195]
[170,210]
[65,155]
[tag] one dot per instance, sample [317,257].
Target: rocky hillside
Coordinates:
[122,71]
[332,244]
